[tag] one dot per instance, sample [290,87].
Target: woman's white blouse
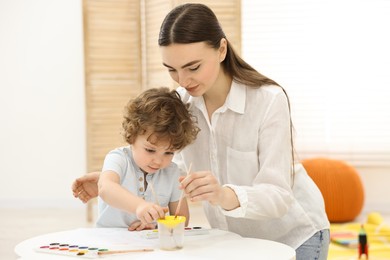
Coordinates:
[246,145]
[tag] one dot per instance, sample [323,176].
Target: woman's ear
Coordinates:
[222,49]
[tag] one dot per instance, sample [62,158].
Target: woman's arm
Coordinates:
[261,187]
[267,193]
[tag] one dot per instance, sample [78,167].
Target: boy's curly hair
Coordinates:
[160,112]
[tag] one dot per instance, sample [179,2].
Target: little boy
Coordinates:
[140,183]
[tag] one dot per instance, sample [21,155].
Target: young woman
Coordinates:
[243,159]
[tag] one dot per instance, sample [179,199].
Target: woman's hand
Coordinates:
[149,212]
[85,187]
[200,186]
[138,225]
[203,185]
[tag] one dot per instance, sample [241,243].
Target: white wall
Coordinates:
[42,107]
[376,188]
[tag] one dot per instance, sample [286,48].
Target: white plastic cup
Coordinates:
[171,232]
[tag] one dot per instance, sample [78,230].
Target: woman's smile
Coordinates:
[192,88]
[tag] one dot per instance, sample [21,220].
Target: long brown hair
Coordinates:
[191,23]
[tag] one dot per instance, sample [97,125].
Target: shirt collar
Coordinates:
[235,100]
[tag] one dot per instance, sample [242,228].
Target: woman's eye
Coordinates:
[195,68]
[149,150]
[170,153]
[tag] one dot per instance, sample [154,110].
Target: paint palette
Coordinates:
[188,231]
[83,251]
[70,250]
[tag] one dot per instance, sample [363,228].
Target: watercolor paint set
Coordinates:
[83,251]
[188,231]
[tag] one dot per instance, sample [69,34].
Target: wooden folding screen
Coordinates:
[122,58]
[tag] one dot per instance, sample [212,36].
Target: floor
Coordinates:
[17,225]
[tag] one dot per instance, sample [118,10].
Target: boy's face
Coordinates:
[151,157]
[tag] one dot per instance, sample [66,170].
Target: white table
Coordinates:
[217,244]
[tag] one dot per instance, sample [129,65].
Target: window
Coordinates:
[332,57]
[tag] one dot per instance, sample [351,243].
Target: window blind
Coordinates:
[332,57]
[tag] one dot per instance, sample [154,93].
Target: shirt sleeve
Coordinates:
[115,161]
[178,160]
[270,196]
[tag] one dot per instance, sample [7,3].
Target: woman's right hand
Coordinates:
[85,187]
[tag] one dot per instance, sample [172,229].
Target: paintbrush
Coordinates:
[124,251]
[182,194]
[153,192]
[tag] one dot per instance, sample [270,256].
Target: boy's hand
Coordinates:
[149,212]
[138,225]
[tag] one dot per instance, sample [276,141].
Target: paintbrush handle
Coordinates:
[182,194]
[179,205]
[124,251]
[154,192]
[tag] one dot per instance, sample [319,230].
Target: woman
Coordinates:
[242,160]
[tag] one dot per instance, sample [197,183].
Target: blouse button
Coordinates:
[141,189]
[141,179]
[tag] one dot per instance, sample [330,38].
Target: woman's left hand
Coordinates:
[202,185]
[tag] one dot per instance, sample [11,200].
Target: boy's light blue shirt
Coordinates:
[165,182]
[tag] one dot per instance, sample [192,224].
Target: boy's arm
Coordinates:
[116,196]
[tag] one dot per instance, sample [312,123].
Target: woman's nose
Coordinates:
[184,81]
